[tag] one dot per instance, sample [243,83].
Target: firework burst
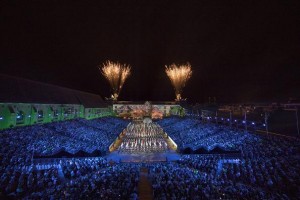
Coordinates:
[179,75]
[116,74]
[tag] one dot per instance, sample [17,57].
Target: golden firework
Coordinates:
[179,75]
[116,74]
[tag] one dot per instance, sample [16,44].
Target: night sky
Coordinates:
[246,52]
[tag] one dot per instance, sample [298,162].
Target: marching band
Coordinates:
[140,137]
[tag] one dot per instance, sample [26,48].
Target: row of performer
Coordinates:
[143,137]
[143,130]
[143,145]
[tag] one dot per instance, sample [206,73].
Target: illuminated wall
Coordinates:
[92,113]
[21,114]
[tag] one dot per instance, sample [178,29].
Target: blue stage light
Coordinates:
[253,123]
[1,118]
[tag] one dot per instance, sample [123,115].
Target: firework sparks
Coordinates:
[179,75]
[116,74]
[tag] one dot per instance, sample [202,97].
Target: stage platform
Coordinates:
[143,157]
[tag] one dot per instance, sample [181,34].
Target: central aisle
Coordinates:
[145,187]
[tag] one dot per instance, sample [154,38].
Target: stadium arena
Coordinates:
[58,143]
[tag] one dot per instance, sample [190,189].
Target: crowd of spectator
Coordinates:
[191,133]
[77,178]
[19,145]
[267,168]
[71,136]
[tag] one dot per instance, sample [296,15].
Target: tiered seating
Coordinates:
[268,167]
[195,134]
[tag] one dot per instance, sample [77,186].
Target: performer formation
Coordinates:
[141,137]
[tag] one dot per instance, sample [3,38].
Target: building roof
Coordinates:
[19,90]
[143,102]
